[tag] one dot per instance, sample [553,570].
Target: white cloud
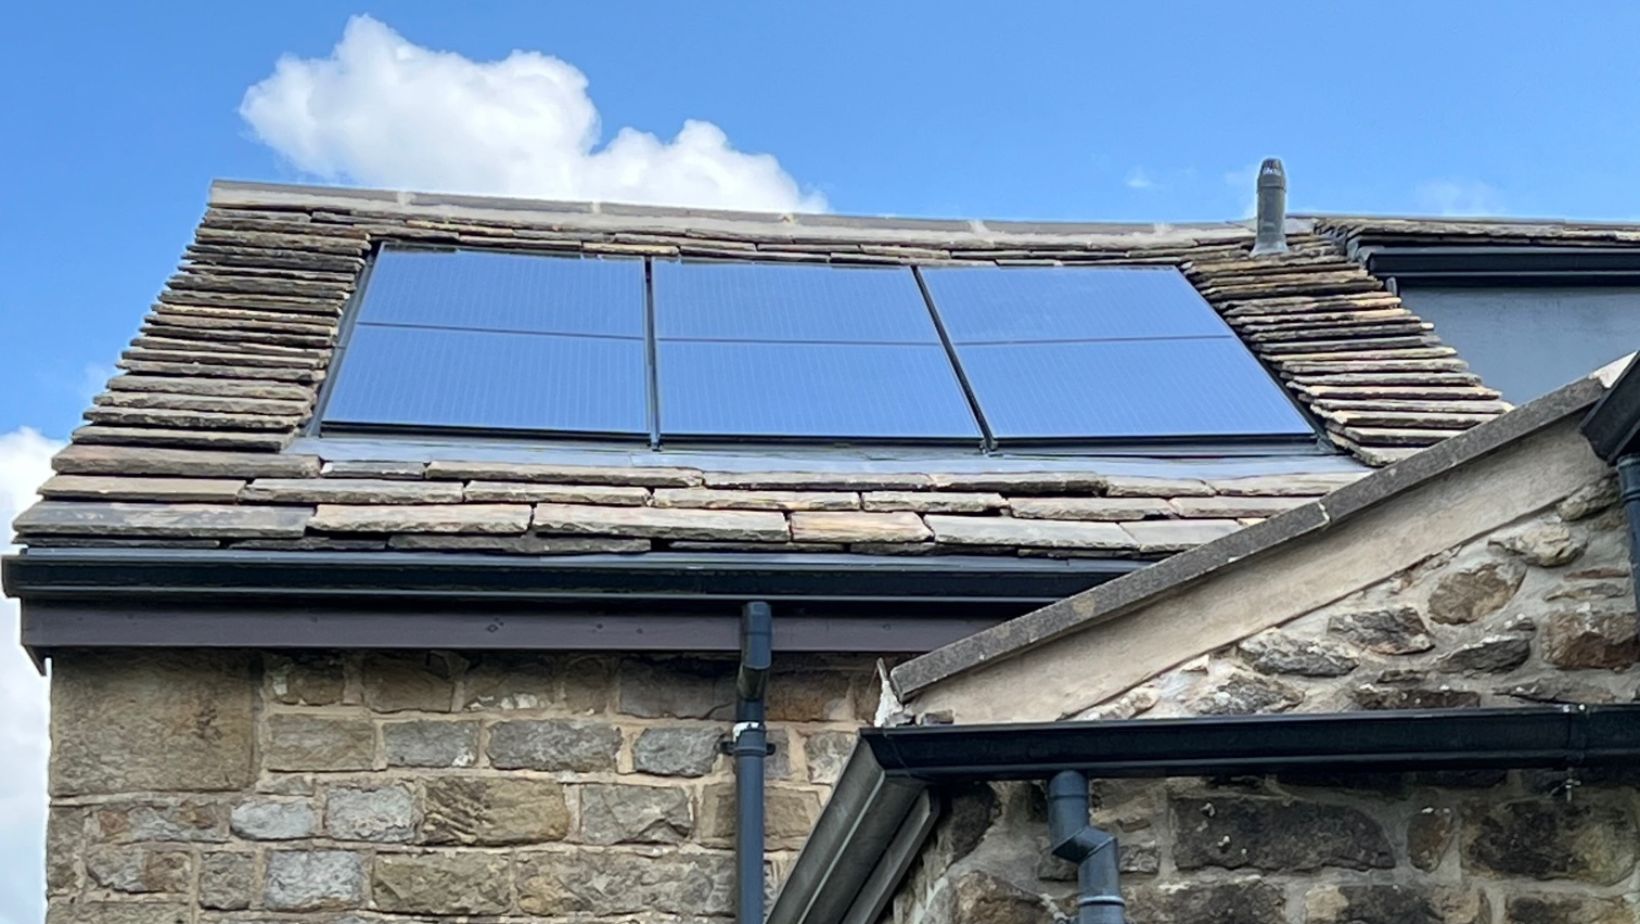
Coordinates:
[1139,178]
[1243,181]
[383,111]
[1455,197]
[24,463]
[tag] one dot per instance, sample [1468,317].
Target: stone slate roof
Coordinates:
[192,443]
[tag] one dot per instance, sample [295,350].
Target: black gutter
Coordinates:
[749,745]
[1613,431]
[1502,264]
[892,767]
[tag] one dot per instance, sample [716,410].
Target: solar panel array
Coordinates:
[699,351]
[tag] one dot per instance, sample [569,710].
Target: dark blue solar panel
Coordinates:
[480,290]
[1127,389]
[421,377]
[811,390]
[760,301]
[1015,304]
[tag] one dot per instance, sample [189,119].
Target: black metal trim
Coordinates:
[344,336]
[652,374]
[1499,265]
[988,440]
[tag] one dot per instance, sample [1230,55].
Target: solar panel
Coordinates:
[759,350]
[419,377]
[808,390]
[482,290]
[1103,353]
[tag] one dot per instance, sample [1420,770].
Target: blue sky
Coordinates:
[117,116]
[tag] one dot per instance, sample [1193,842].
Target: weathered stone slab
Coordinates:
[1109,509]
[226,881]
[123,723]
[443,883]
[119,460]
[1227,506]
[1023,482]
[385,814]
[263,819]
[494,810]
[525,492]
[684,688]
[1294,485]
[554,744]
[622,814]
[62,911]
[1146,486]
[385,468]
[139,870]
[303,679]
[1008,531]
[1546,544]
[1570,909]
[495,519]
[1471,594]
[169,490]
[858,527]
[410,682]
[350,491]
[518,545]
[817,481]
[686,750]
[1275,652]
[1586,638]
[656,477]
[430,744]
[609,883]
[301,742]
[181,521]
[188,819]
[178,438]
[1393,630]
[1242,693]
[658,523]
[934,501]
[1494,654]
[1592,838]
[717,499]
[1275,835]
[313,880]
[1152,536]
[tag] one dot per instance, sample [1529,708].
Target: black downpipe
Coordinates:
[750,747]
[1628,483]
[1093,850]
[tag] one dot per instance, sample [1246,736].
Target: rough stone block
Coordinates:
[1586,638]
[301,742]
[313,880]
[385,814]
[1244,901]
[1236,832]
[445,882]
[1588,500]
[494,810]
[684,688]
[978,897]
[123,722]
[826,752]
[1494,654]
[1396,630]
[1471,594]
[274,820]
[65,842]
[1570,909]
[811,696]
[61,911]
[1384,696]
[1546,543]
[509,682]
[226,880]
[686,750]
[788,815]
[410,682]
[621,814]
[554,744]
[304,680]
[139,870]
[1243,693]
[1394,904]
[1429,833]
[1589,839]
[608,883]
[179,819]
[430,744]
[1275,652]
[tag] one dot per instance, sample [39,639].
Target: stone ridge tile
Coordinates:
[657,477]
[182,521]
[661,523]
[408,471]
[1090,508]
[933,502]
[719,499]
[819,481]
[1296,485]
[517,545]
[1008,531]
[524,492]
[1211,507]
[174,490]
[492,519]
[1178,535]
[858,527]
[1023,482]
[1146,486]
[143,460]
[350,491]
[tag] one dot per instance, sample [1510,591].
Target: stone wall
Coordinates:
[1540,609]
[254,786]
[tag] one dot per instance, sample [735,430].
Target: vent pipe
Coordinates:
[1272,208]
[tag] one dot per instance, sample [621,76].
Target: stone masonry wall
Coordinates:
[1539,610]
[202,787]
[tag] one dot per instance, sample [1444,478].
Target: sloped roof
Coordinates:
[200,441]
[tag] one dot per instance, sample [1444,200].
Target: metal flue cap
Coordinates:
[1272,208]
